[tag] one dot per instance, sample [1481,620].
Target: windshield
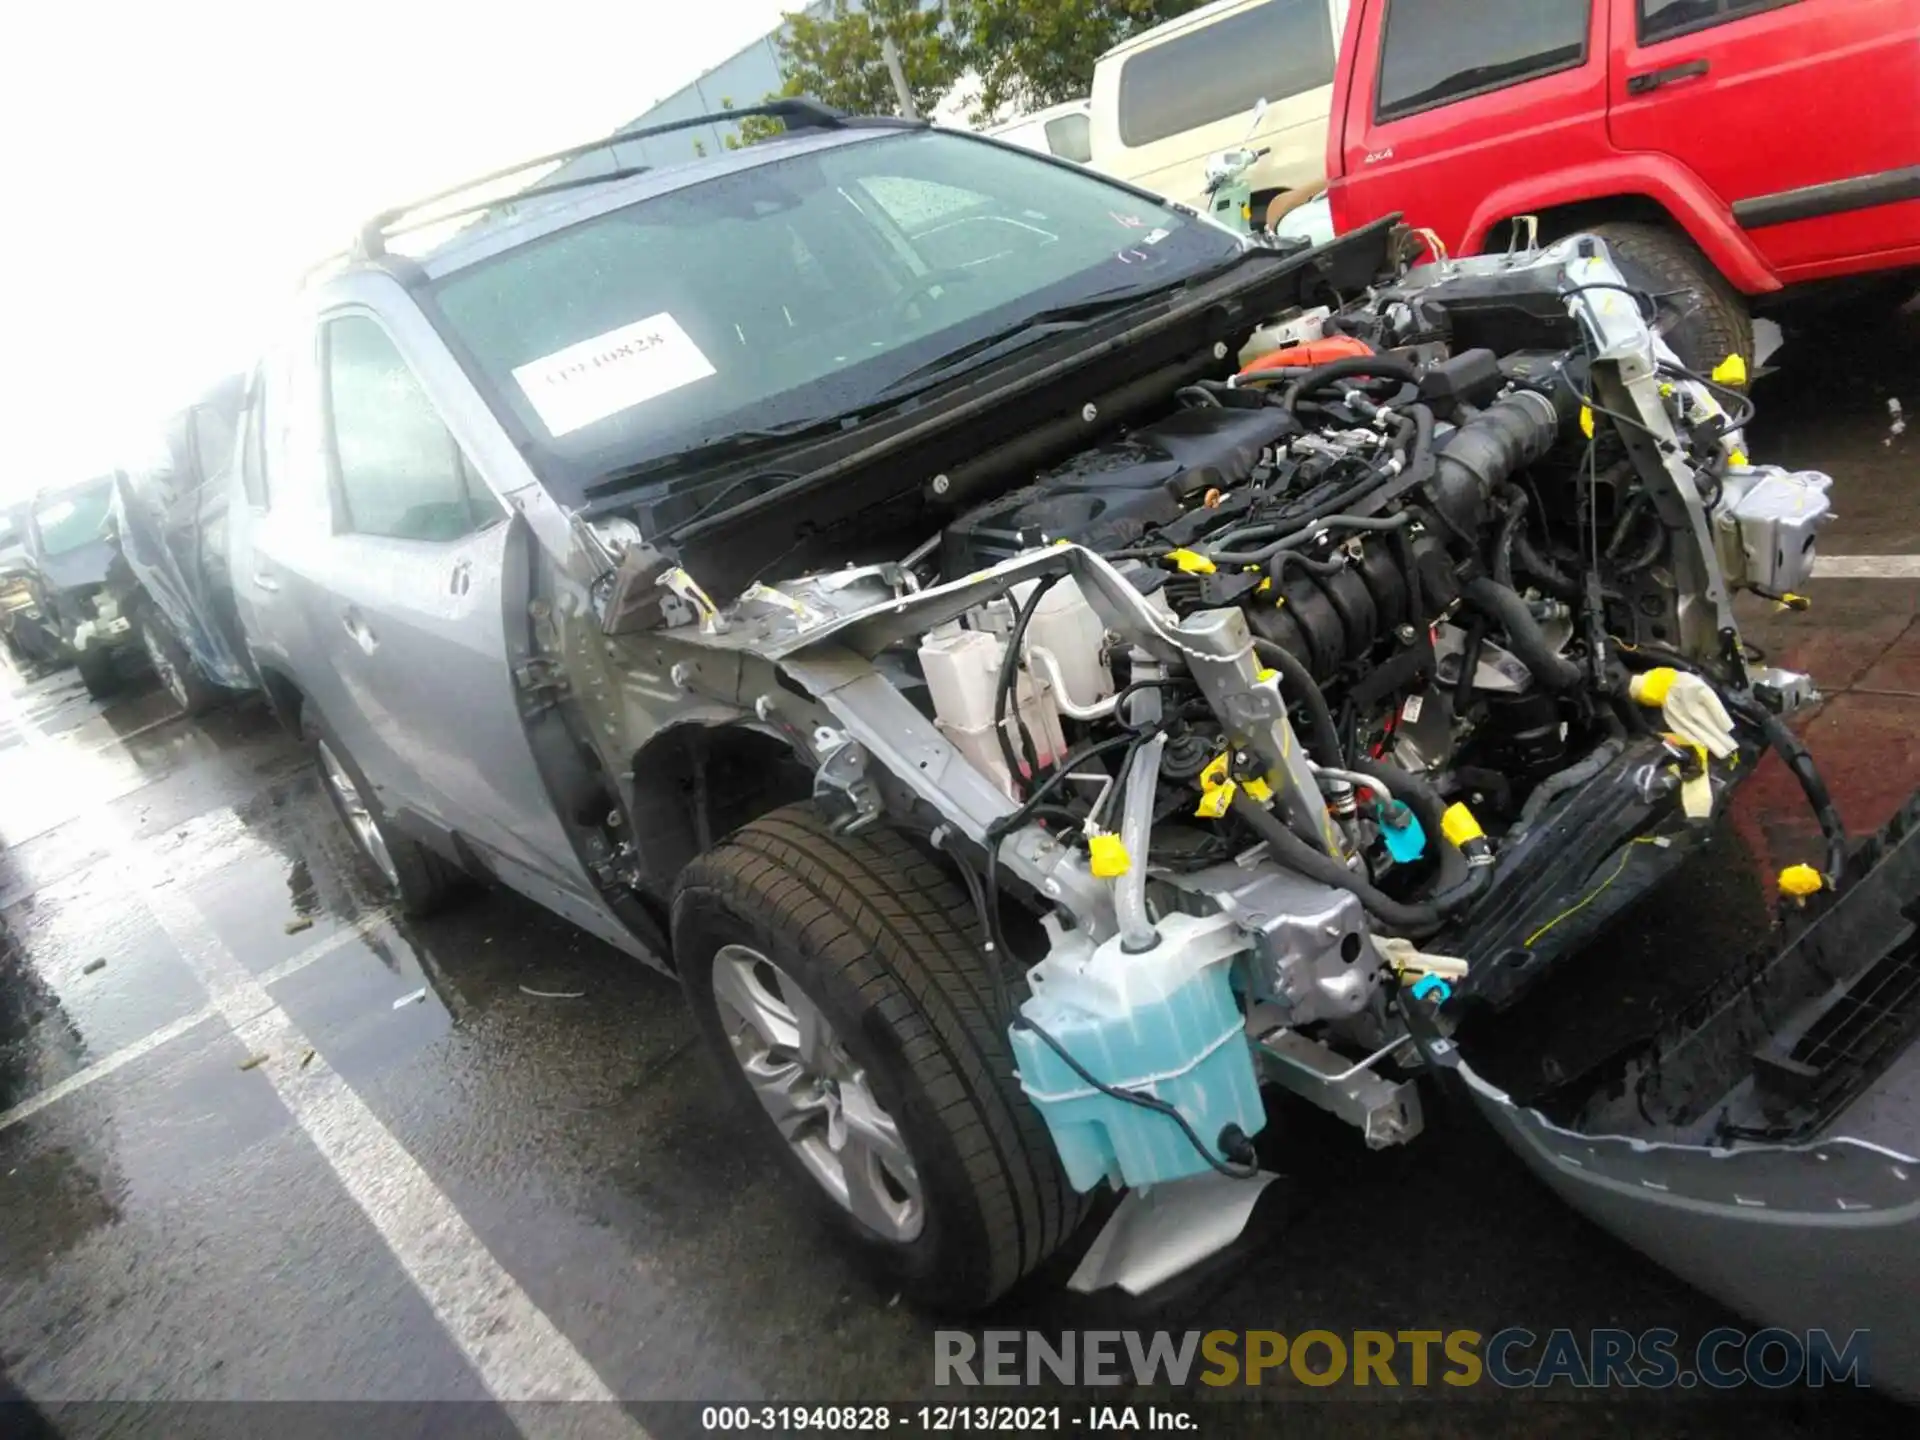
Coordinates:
[791,291]
[73,521]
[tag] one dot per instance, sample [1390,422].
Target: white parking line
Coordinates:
[517,1352]
[1866,567]
[173,1030]
[100,1069]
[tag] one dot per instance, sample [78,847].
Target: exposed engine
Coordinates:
[1405,603]
[1324,695]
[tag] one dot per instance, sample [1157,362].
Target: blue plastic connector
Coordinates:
[1400,828]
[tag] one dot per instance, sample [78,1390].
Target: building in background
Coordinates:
[744,78]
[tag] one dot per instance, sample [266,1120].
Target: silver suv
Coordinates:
[905,586]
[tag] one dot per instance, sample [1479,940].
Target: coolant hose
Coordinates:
[1504,605]
[1504,537]
[1420,457]
[1288,849]
[1555,581]
[1323,736]
[1137,932]
[1386,367]
[1431,810]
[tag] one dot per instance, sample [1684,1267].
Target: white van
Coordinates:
[1061,130]
[1168,98]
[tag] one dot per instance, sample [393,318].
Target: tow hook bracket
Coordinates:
[1385,1112]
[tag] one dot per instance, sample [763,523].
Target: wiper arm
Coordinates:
[738,444]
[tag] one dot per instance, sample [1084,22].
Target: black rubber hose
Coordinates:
[1290,850]
[1410,568]
[1648,551]
[1623,527]
[1278,566]
[1504,537]
[1323,736]
[1420,455]
[1496,444]
[1004,689]
[1503,605]
[1430,808]
[1469,664]
[1388,367]
[1304,531]
[1555,581]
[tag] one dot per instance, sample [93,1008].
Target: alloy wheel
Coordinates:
[169,673]
[816,1094]
[359,815]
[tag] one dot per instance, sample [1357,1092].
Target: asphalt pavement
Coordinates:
[262,1141]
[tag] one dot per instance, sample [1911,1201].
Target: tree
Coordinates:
[836,59]
[1033,53]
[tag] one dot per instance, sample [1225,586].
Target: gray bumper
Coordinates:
[1818,1236]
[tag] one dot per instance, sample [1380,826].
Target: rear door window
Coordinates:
[398,470]
[1660,19]
[1272,52]
[1435,52]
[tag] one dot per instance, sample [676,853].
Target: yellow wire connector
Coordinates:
[1460,827]
[1731,371]
[1191,562]
[1217,789]
[1650,687]
[1107,856]
[1801,881]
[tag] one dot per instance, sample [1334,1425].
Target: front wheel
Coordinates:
[97,672]
[838,981]
[1713,322]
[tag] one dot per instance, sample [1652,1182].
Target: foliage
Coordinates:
[836,57]
[1033,53]
[1027,53]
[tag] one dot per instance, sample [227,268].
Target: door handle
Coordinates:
[264,581]
[1648,80]
[358,629]
[462,578]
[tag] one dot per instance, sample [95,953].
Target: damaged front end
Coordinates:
[1283,719]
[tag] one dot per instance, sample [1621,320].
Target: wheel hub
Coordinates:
[359,815]
[816,1095]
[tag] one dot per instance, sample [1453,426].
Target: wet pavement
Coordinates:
[261,1140]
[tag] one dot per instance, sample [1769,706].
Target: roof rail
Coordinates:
[799,113]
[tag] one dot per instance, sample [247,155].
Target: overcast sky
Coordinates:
[173,166]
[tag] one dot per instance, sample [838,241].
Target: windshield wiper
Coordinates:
[737,445]
[1028,330]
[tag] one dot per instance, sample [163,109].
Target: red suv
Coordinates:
[1732,149]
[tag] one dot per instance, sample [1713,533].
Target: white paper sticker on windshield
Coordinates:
[595,378]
